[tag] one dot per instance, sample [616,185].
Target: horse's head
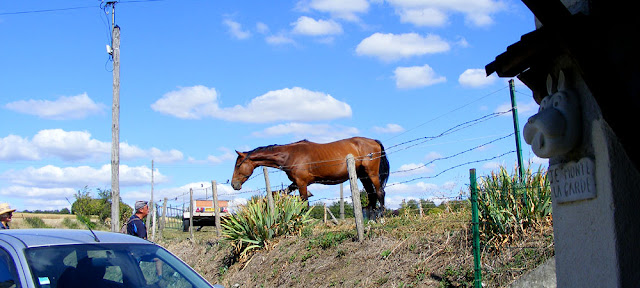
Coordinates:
[242,171]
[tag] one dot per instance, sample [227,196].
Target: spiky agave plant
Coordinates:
[255,224]
[508,205]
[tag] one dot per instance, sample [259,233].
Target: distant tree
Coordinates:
[86,205]
[335,209]
[427,204]
[456,205]
[317,212]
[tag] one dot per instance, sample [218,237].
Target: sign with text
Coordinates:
[573,181]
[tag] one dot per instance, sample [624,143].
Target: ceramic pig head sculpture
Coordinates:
[556,129]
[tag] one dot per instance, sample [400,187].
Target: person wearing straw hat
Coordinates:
[5,215]
[135,225]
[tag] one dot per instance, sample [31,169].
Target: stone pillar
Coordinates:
[595,190]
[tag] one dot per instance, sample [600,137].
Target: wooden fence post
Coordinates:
[214,189]
[272,205]
[191,213]
[324,206]
[355,196]
[163,221]
[341,202]
[333,218]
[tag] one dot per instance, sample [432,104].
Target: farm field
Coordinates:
[21,220]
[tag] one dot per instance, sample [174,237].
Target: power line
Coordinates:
[47,10]
[442,115]
[71,8]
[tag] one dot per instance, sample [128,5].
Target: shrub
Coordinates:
[255,225]
[86,220]
[35,222]
[66,222]
[504,210]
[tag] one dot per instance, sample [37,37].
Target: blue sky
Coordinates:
[201,79]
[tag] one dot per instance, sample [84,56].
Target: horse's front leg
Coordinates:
[304,194]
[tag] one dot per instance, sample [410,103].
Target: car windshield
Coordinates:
[109,265]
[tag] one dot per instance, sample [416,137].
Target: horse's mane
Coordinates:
[268,147]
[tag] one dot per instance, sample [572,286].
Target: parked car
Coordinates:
[50,258]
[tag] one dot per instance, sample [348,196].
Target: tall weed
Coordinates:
[509,205]
[255,225]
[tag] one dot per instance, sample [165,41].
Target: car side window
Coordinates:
[8,272]
[157,273]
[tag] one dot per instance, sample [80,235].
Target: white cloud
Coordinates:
[539,161]
[289,104]
[436,13]
[65,177]
[476,78]
[309,26]
[414,169]
[188,102]
[416,76]
[390,47]
[227,155]
[279,39]
[74,146]
[525,109]
[389,128]
[492,165]
[262,28]
[321,133]
[423,16]
[41,193]
[433,156]
[235,29]
[128,152]
[14,147]
[346,10]
[72,107]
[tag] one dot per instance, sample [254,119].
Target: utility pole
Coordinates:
[115,121]
[152,212]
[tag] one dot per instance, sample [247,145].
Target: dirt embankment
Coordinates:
[403,252]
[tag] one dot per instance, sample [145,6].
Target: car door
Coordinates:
[13,272]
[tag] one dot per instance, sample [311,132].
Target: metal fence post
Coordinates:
[477,283]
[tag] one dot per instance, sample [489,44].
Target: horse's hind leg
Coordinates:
[373,197]
[378,193]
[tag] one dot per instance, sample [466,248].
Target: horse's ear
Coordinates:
[240,153]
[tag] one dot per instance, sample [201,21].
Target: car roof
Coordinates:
[49,237]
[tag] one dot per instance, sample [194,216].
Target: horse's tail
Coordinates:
[383,171]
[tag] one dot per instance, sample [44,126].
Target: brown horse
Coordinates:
[307,163]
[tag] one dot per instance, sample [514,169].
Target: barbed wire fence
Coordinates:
[460,159]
